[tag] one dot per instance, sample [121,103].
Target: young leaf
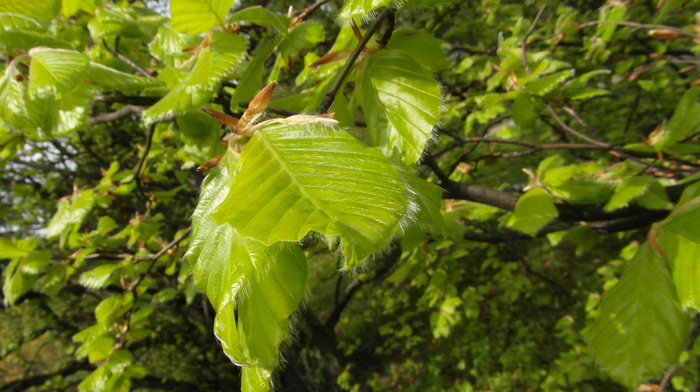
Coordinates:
[627,190]
[300,178]
[111,79]
[533,210]
[682,254]
[55,71]
[262,17]
[254,288]
[198,16]
[421,46]
[44,10]
[641,327]
[70,212]
[200,84]
[401,101]
[686,119]
[360,8]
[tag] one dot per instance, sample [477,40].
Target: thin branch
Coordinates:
[391,24]
[330,96]
[115,52]
[305,13]
[527,34]
[47,168]
[116,115]
[641,26]
[142,160]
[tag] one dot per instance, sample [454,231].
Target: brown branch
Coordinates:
[330,96]
[142,160]
[47,168]
[305,13]
[527,34]
[641,26]
[116,115]
[115,52]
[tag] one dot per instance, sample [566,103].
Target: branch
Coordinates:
[142,160]
[480,194]
[47,168]
[115,52]
[305,13]
[330,96]
[116,115]
[527,34]
[642,26]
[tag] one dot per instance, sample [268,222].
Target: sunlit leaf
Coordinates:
[55,71]
[686,119]
[401,101]
[533,210]
[300,178]
[421,46]
[641,327]
[198,16]
[626,191]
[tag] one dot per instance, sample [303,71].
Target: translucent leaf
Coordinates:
[45,9]
[300,178]
[533,210]
[684,220]
[8,250]
[26,40]
[425,201]
[98,276]
[168,46]
[546,84]
[304,36]
[112,79]
[16,282]
[262,17]
[10,21]
[421,46]
[683,255]
[641,327]
[112,307]
[655,198]
[254,288]
[70,212]
[626,191]
[55,71]
[361,8]
[95,381]
[198,16]
[525,113]
[401,101]
[686,119]
[200,84]
[35,263]
[255,379]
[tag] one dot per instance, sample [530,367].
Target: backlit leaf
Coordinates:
[533,210]
[401,101]
[198,16]
[641,328]
[626,191]
[686,119]
[55,71]
[295,179]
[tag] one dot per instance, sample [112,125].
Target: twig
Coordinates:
[142,160]
[153,259]
[47,168]
[330,95]
[115,115]
[305,13]
[391,23]
[689,345]
[579,120]
[115,52]
[641,26]
[527,34]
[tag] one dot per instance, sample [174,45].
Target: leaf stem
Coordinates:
[330,96]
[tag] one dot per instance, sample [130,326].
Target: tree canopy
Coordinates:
[381,195]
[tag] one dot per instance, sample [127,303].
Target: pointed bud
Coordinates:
[210,163]
[228,121]
[256,106]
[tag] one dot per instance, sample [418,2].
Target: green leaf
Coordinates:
[262,17]
[361,8]
[305,35]
[168,46]
[544,85]
[254,288]
[8,250]
[252,77]
[95,381]
[686,119]
[682,254]
[655,198]
[533,211]
[525,113]
[683,220]
[421,46]
[641,327]
[424,201]
[16,282]
[9,21]
[201,134]
[401,101]
[300,178]
[44,10]
[55,71]
[627,190]
[255,379]
[198,16]
[112,307]
[112,79]
[98,277]
[201,83]
[71,212]
[26,40]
